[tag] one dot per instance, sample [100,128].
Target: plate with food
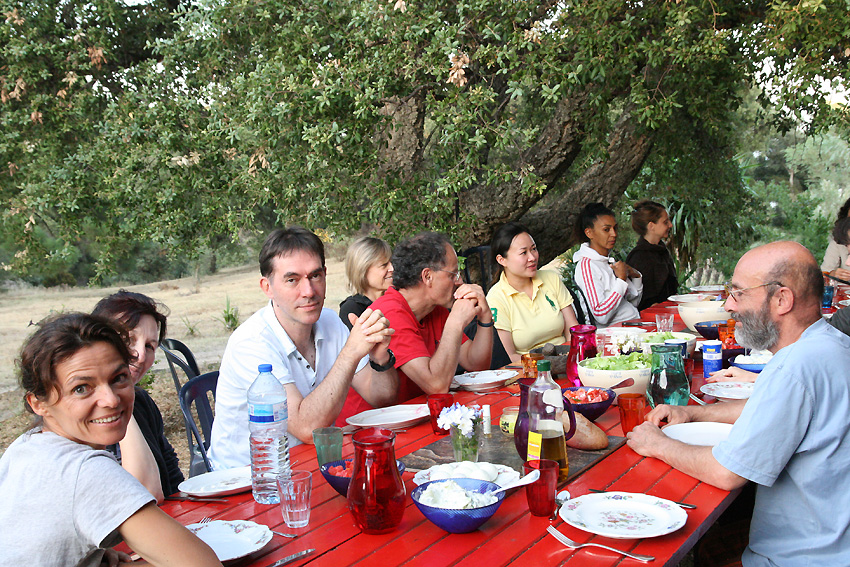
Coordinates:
[623,515]
[392,417]
[499,474]
[218,483]
[689,297]
[754,362]
[232,539]
[483,380]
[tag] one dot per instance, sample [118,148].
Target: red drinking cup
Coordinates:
[436,403]
[541,492]
[632,408]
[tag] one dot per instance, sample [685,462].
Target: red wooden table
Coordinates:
[512,536]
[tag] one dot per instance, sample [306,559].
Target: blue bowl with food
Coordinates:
[710,329]
[459,520]
[588,401]
[335,471]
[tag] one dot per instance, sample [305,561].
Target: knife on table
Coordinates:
[291,558]
[681,504]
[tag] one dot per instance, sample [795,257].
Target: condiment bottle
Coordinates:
[546,437]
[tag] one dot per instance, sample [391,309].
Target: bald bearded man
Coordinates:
[791,437]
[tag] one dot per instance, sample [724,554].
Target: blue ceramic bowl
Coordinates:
[710,329]
[340,483]
[592,410]
[751,367]
[459,521]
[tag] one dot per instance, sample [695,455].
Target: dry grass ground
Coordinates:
[193,303]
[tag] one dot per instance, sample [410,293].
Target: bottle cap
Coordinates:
[264,368]
[544,366]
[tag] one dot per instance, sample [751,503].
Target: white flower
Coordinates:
[462,417]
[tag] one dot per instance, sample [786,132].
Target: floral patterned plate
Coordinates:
[218,483]
[623,515]
[232,539]
[728,390]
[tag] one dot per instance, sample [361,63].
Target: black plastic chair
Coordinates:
[481,254]
[195,392]
[582,308]
[171,348]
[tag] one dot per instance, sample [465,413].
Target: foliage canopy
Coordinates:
[184,123]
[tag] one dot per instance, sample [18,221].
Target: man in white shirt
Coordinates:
[311,352]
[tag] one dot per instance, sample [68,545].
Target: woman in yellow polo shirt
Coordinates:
[530,307]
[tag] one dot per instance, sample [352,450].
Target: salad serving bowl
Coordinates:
[618,369]
[590,410]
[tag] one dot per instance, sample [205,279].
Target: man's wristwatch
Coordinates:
[379,368]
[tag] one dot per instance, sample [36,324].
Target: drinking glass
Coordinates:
[328,442]
[541,492]
[632,407]
[664,322]
[828,295]
[436,403]
[529,364]
[294,487]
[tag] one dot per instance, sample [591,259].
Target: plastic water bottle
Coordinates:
[267,416]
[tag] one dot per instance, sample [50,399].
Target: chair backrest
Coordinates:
[177,363]
[195,392]
[582,307]
[480,257]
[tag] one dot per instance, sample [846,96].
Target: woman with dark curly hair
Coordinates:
[145,451]
[66,501]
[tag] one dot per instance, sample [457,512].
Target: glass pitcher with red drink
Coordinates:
[376,495]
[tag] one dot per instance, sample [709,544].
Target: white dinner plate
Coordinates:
[729,390]
[483,380]
[706,433]
[506,473]
[392,417]
[623,515]
[232,539]
[218,483]
[708,288]
[688,297]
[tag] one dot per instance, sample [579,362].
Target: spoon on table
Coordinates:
[527,479]
[560,499]
[623,384]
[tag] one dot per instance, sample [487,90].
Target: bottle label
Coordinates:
[267,413]
[535,443]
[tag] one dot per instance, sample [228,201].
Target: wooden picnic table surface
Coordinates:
[511,536]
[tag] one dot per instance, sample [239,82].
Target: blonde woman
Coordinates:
[369,272]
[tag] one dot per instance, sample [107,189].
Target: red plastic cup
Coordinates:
[632,408]
[541,493]
[436,403]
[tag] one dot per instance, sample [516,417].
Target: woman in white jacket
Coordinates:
[612,288]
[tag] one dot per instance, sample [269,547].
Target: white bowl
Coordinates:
[607,378]
[692,341]
[699,311]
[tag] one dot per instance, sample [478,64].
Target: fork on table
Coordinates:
[575,545]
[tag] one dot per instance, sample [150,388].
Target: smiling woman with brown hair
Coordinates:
[65,499]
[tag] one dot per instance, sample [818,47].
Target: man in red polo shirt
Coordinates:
[429,342]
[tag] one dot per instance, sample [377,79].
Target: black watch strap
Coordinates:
[390,363]
[490,324]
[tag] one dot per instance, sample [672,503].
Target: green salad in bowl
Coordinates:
[605,371]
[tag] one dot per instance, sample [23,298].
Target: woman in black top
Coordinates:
[369,272]
[650,255]
[144,451]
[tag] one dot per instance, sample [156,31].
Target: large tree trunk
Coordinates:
[605,181]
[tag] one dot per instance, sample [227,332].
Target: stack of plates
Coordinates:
[482,381]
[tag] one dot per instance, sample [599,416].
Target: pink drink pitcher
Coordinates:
[582,345]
